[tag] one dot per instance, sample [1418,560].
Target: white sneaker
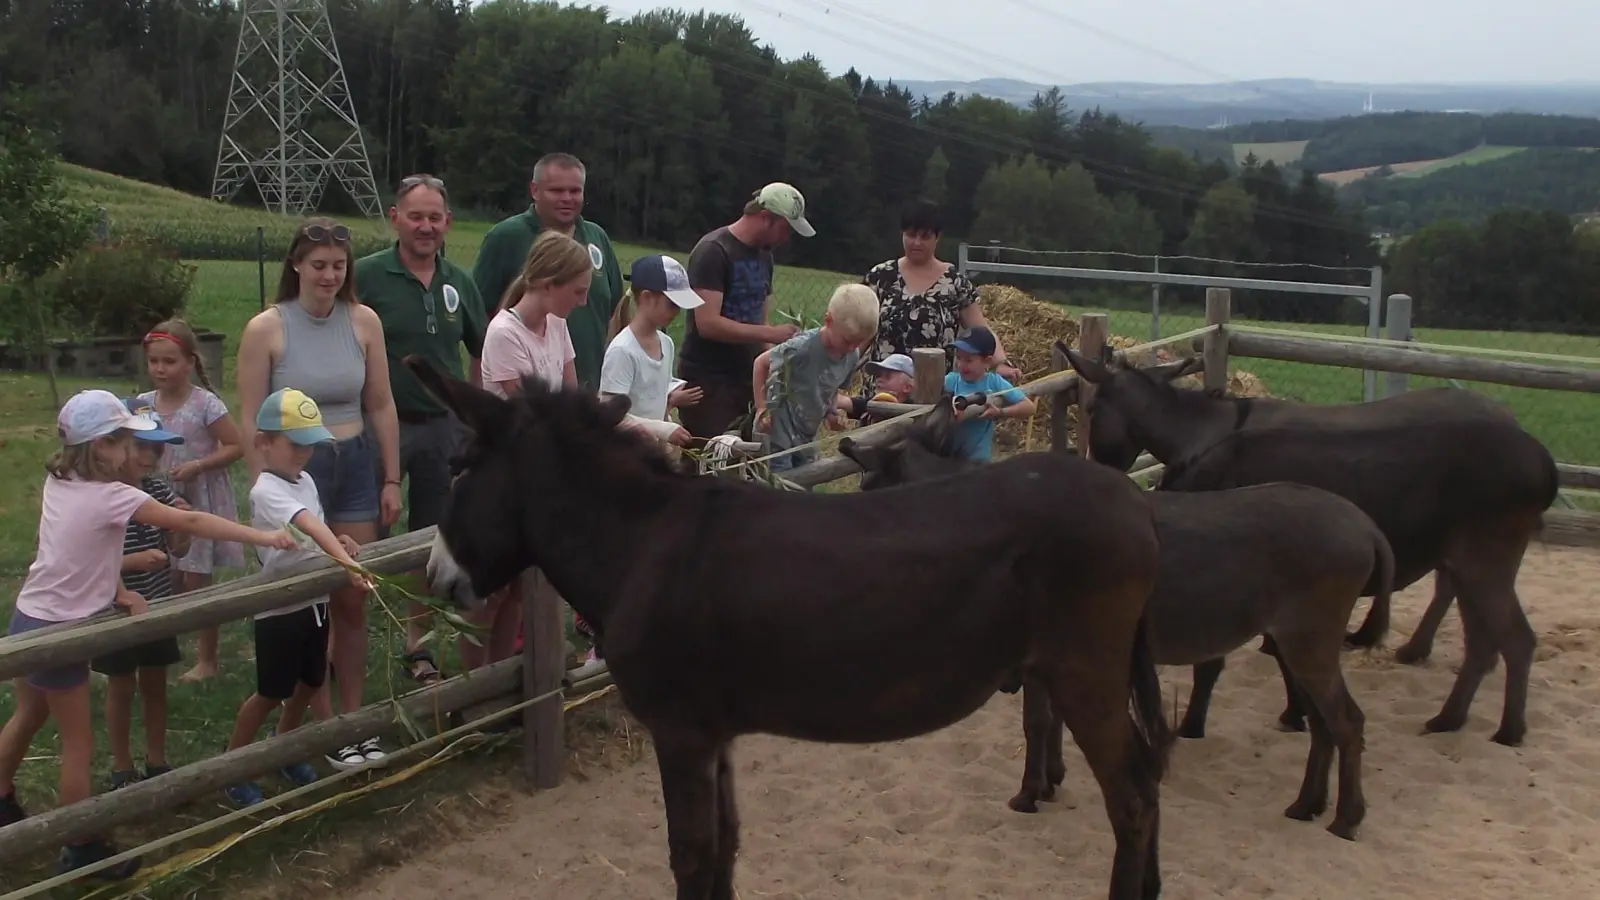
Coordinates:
[370,750]
[591,666]
[349,757]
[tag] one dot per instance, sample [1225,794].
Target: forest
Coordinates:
[1550,178]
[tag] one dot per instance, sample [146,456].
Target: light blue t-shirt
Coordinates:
[975,437]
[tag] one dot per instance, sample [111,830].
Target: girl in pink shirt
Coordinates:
[529,337]
[76,574]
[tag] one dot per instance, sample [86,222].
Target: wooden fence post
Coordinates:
[1397,325]
[1059,441]
[1219,307]
[544,664]
[928,363]
[1091,343]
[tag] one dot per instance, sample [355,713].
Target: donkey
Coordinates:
[1457,486]
[718,627]
[1285,560]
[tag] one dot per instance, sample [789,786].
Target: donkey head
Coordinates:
[1126,415]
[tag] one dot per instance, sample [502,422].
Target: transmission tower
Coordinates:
[288,103]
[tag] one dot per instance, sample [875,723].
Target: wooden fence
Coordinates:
[537,681]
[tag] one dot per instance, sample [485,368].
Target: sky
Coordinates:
[1184,41]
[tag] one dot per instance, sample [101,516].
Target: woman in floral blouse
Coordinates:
[924,301]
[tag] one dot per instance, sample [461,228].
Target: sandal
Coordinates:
[421,667]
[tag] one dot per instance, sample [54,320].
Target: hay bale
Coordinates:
[1029,328]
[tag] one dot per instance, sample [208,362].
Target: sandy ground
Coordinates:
[1451,816]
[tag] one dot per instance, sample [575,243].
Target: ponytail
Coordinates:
[622,315]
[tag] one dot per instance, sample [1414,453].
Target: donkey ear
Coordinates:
[861,454]
[478,409]
[1176,369]
[614,408]
[1090,370]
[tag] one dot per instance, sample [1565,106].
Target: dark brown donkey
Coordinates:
[1455,483]
[1284,560]
[720,615]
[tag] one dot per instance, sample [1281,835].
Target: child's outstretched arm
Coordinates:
[202,524]
[331,545]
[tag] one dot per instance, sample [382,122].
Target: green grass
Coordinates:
[1476,155]
[1279,152]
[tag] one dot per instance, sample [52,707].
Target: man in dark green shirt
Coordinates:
[557,192]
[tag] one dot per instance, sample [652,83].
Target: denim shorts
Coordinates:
[345,473]
[60,678]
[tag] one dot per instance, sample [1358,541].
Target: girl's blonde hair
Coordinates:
[622,316]
[854,309]
[554,259]
[179,332]
[83,460]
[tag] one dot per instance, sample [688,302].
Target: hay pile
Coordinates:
[1028,328]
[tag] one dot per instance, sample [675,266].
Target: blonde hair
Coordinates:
[622,316]
[554,259]
[179,332]
[854,310]
[84,460]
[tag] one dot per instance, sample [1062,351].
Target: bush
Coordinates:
[119,289]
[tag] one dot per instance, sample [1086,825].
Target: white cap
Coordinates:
[786,200]
[661,273]
[894,362]
[93,414]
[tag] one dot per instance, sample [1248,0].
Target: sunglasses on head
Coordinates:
[319,234]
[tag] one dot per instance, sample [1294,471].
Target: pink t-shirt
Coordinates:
[81,525]
[511,351]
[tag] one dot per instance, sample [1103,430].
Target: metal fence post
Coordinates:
[961,260]
[1397,321]
[1369,378]
[1155,302]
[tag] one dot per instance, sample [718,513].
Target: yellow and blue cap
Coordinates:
[293,414]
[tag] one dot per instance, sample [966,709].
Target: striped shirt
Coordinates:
[156,584]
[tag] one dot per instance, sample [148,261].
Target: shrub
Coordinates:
[121,288]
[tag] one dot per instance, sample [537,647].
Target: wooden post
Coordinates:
[544,650]
[1219,307]
[928,363]
[1059,441]
[1397,324]
[1091,343]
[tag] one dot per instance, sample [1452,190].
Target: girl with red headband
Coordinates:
[198,467]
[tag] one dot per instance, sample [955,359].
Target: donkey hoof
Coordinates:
[1191,732]
[1304,810]
[1408,655]
[1290,723]
[1338,828]
[1024,802]
[1510,735]
[1442,723]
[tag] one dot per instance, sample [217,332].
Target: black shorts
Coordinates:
[157,653]
[291,650]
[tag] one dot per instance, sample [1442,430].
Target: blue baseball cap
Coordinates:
[158,435]
[294,414]
[977,340]
[665,275]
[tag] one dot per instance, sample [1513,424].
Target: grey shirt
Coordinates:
[801,385]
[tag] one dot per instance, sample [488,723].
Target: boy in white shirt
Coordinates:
[291,644]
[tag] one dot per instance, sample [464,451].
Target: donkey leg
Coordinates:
[689,790]
[1420,645]
[1055,762]
[1097,715]
[1482,648]
[1349,731]
[1313,798]
[1039,722]
[727,830]
[1492,594]
[1205,680]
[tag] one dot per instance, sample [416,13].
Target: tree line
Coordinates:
[1556,179]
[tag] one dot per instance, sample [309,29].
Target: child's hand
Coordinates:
[834,420]
[144,561]
[131,601]
[991,411]
[360,581]
[1008,371]
[278,540]
[179,503]
[679,437]
[349,544]
[688,395]
[185,471]
[764,421]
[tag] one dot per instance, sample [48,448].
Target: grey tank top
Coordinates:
[322,359]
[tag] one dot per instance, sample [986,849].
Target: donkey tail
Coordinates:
[1153,738]
[1377,623]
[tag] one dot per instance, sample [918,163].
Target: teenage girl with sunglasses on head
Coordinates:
[318,339]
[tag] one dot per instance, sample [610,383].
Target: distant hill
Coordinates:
[1474,184]
[1240,102]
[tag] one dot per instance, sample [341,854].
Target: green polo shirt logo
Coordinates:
[596,257]
[452,300]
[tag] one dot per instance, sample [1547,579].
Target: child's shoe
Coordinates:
[247,794]
[300,774]
[121,780]
[11,812]
[76,856]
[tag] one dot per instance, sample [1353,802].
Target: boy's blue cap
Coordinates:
[977,340]
[294,414]
[158,435]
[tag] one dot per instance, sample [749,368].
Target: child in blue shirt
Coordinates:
[974,373]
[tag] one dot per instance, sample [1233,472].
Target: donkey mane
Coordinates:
[588,428]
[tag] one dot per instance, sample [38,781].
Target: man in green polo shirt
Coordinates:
[557,192]
[429,306]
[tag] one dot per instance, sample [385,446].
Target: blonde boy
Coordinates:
[797,383]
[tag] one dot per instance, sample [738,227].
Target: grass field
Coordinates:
[225,295]
[1280,152]
[1476,155]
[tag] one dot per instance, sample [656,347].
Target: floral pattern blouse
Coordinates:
[931,318]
